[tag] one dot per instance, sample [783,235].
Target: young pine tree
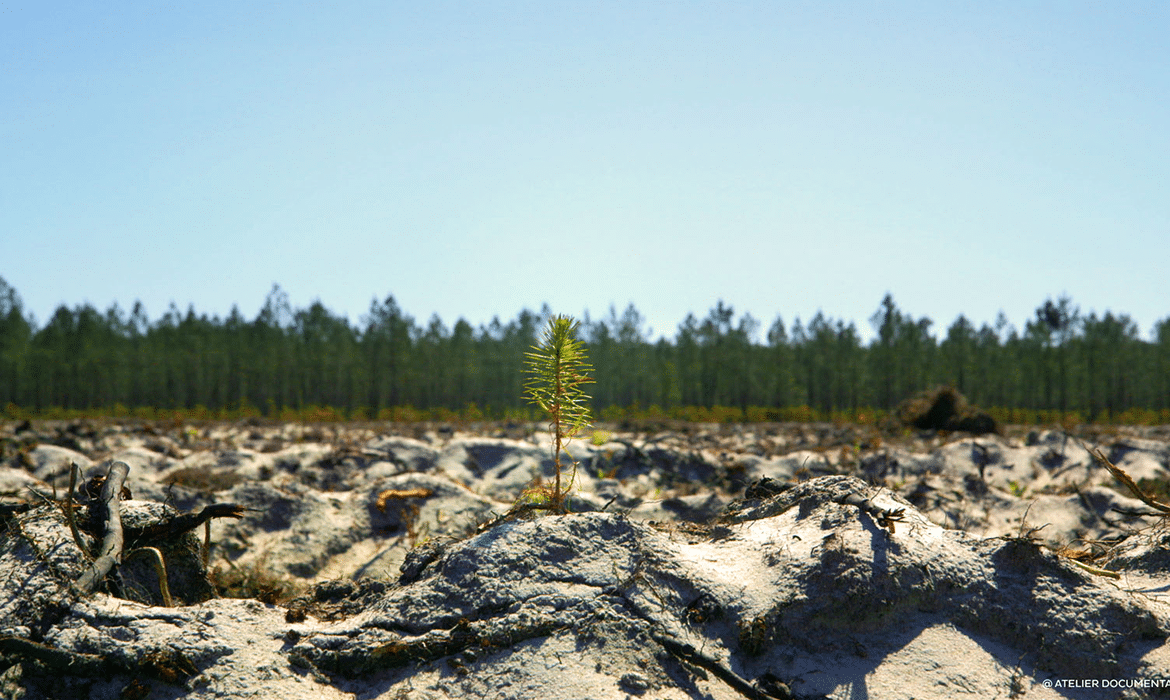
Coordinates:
[559,368]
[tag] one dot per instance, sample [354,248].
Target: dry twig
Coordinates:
[1129,483]
[160,568]
[69,515]
[398,494]
[1094,570]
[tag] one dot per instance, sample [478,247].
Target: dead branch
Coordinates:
[185,522]
[1136,513]
[111,550]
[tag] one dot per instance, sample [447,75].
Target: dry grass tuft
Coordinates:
[253,582]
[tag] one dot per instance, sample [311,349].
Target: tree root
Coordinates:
[56,660]
[691,655]
[164,664]
[428,647]
[885,518]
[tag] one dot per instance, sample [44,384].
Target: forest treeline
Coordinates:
[390,366]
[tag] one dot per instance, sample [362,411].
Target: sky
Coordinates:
[473,159]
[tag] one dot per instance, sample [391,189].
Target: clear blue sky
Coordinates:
[473,159]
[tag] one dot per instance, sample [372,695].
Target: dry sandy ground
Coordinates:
[859,565]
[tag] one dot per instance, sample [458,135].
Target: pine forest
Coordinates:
[311,364]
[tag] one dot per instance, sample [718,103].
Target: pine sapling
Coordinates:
[559,368]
